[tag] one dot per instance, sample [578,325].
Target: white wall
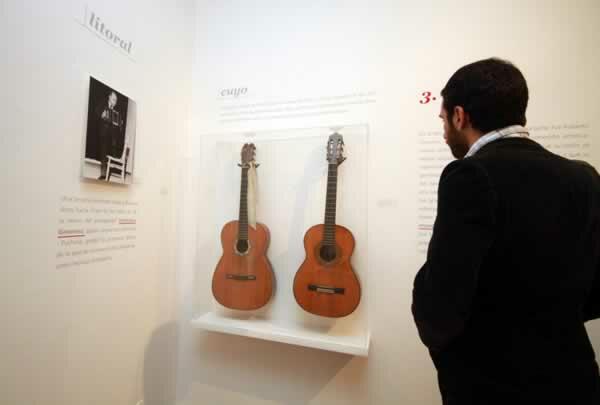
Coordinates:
[102,333]
[284,51]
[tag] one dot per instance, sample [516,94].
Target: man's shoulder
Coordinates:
[586,166]
[464,174]
[468,165]
[502,155]
[588,171]
[516,158]
[507,147]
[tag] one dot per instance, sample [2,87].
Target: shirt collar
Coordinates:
[513,131]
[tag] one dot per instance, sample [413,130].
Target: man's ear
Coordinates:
[460,118]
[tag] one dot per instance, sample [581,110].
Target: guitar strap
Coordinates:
[252,196]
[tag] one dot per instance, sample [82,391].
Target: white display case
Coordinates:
[291,191]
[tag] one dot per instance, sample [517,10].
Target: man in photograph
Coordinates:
[110,131]
[513,265]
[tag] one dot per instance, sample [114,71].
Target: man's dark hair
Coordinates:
[492,91]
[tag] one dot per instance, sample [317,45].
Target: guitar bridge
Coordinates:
[326,289]
[241,277]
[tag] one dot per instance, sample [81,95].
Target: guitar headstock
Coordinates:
[248,156]
[335,149]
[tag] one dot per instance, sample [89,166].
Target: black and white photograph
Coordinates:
[110,135]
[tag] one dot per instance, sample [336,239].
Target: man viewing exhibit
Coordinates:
[513,265]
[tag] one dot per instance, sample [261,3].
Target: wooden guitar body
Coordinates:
[327,288]
[243,280]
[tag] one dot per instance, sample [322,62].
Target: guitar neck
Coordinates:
[243,218]
[330,206]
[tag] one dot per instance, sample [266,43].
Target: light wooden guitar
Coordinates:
[244,278]
[326,284]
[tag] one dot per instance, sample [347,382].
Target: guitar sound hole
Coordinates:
[327,253]
[242,246]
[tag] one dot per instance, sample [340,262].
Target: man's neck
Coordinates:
[472,135]
[509,131]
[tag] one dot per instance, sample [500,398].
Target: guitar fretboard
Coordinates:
[330,206]
[243,219]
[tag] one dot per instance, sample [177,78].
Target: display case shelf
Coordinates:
[357,345]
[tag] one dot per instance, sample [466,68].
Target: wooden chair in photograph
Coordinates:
[118,164]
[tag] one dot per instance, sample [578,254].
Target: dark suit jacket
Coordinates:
[512,274]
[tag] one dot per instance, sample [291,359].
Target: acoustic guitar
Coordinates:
[244,278]
[326,284]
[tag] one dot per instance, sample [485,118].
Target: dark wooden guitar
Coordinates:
[325,284]
[244,278]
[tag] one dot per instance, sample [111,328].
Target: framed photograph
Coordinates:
[110,135]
